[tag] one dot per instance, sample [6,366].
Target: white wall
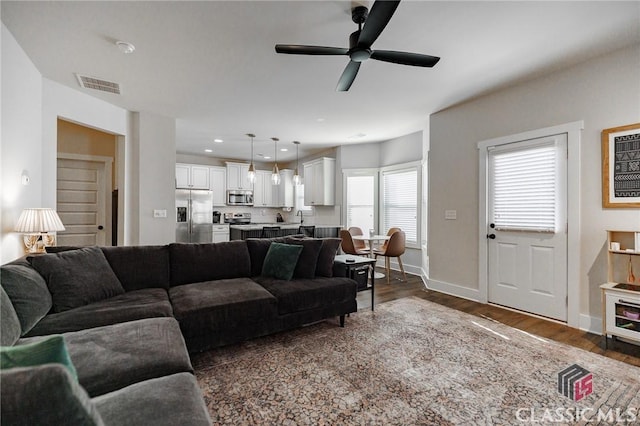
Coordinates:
[604,93]
[21,144]
[155,143]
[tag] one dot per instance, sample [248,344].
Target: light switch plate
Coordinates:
[450,214]
[159,213]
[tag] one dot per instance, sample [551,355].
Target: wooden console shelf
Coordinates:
[621,294]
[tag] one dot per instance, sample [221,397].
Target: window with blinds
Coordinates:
[361,201]
[524,188]
[400,201]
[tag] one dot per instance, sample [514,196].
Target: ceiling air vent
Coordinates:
[98,84]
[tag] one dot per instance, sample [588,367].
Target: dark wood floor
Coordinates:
[414,286]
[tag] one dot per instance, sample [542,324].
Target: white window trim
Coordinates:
[573,131]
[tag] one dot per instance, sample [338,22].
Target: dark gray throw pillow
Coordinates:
[28,292]
[281,260]
[306,267]
[77,277]
[327,255]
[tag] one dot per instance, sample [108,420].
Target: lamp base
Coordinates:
[33,243]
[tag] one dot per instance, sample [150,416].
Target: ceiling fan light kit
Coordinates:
[360,42]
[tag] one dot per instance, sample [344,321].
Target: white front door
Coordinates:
[84,201]
[526,229]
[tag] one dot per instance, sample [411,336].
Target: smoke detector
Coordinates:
[125,47]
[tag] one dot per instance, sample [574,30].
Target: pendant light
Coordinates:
[297,180]
[251,174]
[275,174]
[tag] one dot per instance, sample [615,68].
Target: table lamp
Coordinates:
[39,225]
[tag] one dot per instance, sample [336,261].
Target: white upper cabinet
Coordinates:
[192,176]
[284,192]
[237,176]
[218,183]
[263,190]
[320,182]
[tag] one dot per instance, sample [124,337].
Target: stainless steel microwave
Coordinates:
[239,197]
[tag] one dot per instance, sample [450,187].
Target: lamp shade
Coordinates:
[39,220]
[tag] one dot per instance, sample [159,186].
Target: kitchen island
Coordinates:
[254,230]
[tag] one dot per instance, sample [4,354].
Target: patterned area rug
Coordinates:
[412,362]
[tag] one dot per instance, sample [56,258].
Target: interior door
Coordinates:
[527,232]
[82,202]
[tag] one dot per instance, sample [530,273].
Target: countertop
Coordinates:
[282,225]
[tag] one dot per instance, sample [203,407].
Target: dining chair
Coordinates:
[347,244]
[390,232]
[307,230]
[359,244]
[395,248]
[270,232]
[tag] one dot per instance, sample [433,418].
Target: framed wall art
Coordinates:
[621,167]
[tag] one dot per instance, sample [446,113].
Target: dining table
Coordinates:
[372,239]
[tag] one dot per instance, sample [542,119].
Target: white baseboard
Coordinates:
[454,289]
[590,324]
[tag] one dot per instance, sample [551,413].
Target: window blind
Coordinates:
[360,201]
[400,197]
[524,188]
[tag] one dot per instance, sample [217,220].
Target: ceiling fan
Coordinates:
[360,42]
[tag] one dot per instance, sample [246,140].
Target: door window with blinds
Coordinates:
[399,194]
[526,178]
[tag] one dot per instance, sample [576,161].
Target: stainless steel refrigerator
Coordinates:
[194,217]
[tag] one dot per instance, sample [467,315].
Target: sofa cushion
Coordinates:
[46,395]
[165,401]
[281,261]
[299,295]
[112,357]
[308,260]
[9,323]
[209,307]
[139,267]
[77,277]
[194,263]
[324,267]
[134,305]
[258,248]
[28,292]
[51,349]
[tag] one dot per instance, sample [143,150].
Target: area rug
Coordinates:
[413,362]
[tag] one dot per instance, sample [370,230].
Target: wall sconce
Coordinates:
[39,227]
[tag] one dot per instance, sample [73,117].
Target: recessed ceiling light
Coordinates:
[320,120]
[284,149]
[208,150]
[266,157]
[357,136]
[218,140]
[125,47]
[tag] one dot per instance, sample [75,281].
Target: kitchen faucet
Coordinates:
[299,213]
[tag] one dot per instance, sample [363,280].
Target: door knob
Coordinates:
[100,227]
[491,236]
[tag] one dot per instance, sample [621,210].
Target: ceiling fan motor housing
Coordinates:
[357,53]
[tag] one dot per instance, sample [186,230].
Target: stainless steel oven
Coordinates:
[238,197]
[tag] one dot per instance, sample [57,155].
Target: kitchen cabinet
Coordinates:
[284,196]
[621,294]
[320,182]
[218,183]
[220,233]
[263,190]
[192,176]
[237,176]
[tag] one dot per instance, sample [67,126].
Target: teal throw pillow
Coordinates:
[281,261]
[47,351]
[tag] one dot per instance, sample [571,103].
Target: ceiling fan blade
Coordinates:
[379,16]
[348,75]
[297,49]
[405,58]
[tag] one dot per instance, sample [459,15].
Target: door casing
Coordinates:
[573,131]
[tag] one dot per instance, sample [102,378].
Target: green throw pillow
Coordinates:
[281,261]
[47,351]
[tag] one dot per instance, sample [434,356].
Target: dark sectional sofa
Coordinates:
[129,317]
